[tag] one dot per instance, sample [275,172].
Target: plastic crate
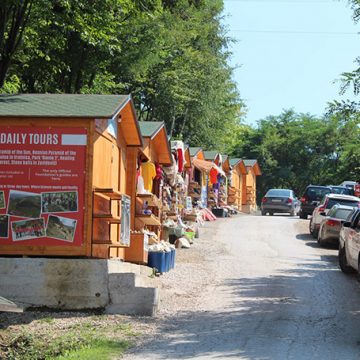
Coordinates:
[157,260]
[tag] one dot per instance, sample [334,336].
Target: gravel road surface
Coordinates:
[254,288]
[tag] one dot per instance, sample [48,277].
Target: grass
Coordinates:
[99,350]
[94,339]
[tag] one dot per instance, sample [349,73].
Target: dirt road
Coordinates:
[255,288]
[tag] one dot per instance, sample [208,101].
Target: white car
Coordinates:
[349,243]
[328,201]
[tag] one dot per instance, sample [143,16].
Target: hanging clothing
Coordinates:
[178,146]
[159,172]
[213,176]
[180,154]
[148,172]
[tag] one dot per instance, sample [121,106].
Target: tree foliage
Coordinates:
[172,55]
[295,150]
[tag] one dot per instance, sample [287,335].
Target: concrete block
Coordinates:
[141,301]
[74,284]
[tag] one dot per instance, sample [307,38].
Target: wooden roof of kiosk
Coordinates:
[254,165]
[188,162]
[206,166]
[101,129]
[156,145]
[213,156]
[238,163]
[197,152]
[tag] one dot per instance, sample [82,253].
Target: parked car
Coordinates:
[279,201]
[350,185]
[349,244]
[312,195]
[325,205]
[330,226]
[337,189]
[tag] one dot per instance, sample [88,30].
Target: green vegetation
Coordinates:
[90,339]
[295,150]
[99,349]
[172,56]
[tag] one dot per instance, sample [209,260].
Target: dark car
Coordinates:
[330,226]
[312,195]
[342,190]
[279,201]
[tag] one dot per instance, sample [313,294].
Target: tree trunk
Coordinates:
[13,21]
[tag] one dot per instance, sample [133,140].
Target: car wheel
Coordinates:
[271,213]
[311,228]
[315,233]
[302,215]
[345,268]
[319,239]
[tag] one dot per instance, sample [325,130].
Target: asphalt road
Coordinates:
[276,295]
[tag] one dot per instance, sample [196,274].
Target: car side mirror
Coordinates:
[323,214]
[347,224]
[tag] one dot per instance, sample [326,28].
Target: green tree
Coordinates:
[295,150]
[14,17]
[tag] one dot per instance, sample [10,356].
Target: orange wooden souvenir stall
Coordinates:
[249,186]
[68,163]
[237,171]
[155,149]
[222,198]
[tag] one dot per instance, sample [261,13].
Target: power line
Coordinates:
[287,1]
[294,32]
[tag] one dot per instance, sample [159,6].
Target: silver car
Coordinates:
[330,226]
[325,205]
[349,244]
[280,201]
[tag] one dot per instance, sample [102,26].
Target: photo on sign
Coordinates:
[61,228]
[24,204]
[2,200]
[28,229]
[4,226]
[61,201]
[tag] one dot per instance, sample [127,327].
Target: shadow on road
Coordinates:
[284,316]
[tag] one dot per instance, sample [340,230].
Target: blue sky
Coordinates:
[290,52]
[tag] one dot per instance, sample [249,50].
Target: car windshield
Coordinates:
[317,193]
[332,202]
[342,214]
[278,192]
[340,190]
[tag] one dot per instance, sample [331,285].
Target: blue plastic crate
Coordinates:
[168,261]
[173,252]
[157,260]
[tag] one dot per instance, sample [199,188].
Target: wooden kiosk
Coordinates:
[249,186]
[64,174]
[237,174]
[212,156]
[155,149]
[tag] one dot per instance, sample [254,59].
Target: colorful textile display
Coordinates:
[148,172]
